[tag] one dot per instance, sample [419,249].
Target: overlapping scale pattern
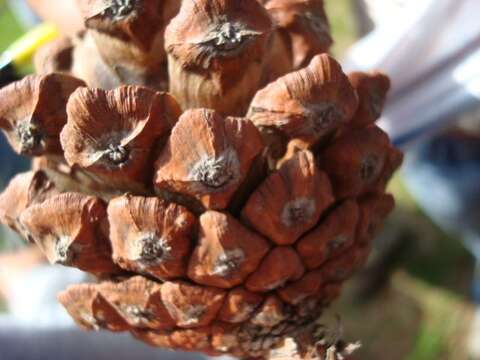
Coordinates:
[207,231]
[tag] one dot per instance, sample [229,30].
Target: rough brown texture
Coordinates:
[303,26]
[226,252]
[31,117]
[290,201]
[90,309]
[355,161]
[151,236]
[280,266]
[191,306]
[372,89]
[239,305]
[373,211]
[68,228]
[332,237]
[138,302]
[207,157]
[67,178]
[112,134]
[309,285]
[307,104]
[224,217]
[129,36]
[208,42]
[24,190]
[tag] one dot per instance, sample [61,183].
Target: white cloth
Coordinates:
[38,327]
[431,50]
[33,297]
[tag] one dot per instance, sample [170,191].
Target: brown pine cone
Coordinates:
[223,217]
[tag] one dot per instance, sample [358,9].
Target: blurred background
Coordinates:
[415,300]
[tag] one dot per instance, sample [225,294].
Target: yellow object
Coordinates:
[21,51]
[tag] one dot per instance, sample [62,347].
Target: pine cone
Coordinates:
[222,217]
